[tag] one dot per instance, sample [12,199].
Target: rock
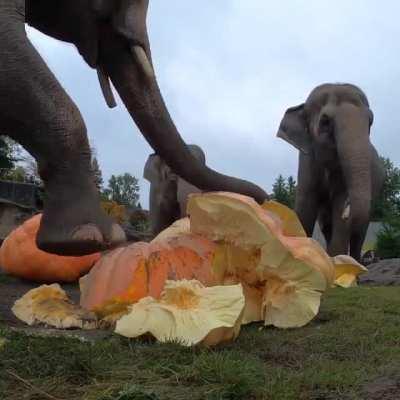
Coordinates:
[382,273]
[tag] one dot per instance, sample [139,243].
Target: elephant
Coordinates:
[168,192]
[111,36]
[339,170]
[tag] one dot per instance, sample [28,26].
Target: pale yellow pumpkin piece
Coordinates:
[288,304]
[347,269]
[293,287]
[187,313]
[50,305]
[291,225]
[179,227]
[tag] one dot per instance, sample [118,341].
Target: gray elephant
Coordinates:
[35,110]
[168,192]
[339,170]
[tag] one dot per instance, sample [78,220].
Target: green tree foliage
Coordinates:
[284,191]
[9,155]
[388,202]
[123,189]
[98,177]
[388,238]
[6,156]
[387,209]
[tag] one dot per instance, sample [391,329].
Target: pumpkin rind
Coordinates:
[127,274]
[19,256]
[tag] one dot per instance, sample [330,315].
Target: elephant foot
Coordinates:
[83,239]
[79,228]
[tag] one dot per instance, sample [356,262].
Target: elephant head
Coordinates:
[333,127]
[112,36]
[168,192]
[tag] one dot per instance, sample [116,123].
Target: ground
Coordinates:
[350,351]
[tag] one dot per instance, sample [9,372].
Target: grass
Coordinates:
[354,341]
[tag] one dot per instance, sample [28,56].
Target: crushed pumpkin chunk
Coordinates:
[50,305]
[187,312]
[347,269]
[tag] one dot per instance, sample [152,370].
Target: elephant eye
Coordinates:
[325,124]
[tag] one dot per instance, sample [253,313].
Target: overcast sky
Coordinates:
[228,70]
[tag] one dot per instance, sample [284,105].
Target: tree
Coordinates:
[8,156]
[98,177]
[123,189]
[388,238]
[388,202]
[16,174]
[284,191]
[291,186]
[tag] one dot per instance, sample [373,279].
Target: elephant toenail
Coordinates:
[117,234]
[89,232]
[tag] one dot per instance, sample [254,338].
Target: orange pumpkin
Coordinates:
[141,269]
[19,256]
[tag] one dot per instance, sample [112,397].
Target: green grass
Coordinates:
[354,340]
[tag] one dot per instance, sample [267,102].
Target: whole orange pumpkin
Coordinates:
[19,256]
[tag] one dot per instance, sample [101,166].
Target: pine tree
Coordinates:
[280,191]
[291,187]
[284,191]
[98,177]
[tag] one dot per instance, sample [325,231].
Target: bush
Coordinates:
[388,238]
[115,211]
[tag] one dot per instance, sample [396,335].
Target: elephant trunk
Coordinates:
[138,89]
[353,146]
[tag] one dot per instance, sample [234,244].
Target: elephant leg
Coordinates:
[164,206]
[357,240]
[325,221]
[339,243]
[39,115]
[307,202]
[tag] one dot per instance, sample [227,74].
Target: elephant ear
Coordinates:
[293,129]
[156,170]
[371,117]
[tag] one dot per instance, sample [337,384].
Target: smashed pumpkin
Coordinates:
[229,239]
[283,275]
[126,275]
[19,256]
[187,313]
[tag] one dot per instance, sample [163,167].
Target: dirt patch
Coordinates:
[11,289]
[383,388]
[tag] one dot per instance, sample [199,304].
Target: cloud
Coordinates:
[229,70]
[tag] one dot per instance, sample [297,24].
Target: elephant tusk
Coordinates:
[346,211]
[143,60]
[105,86]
